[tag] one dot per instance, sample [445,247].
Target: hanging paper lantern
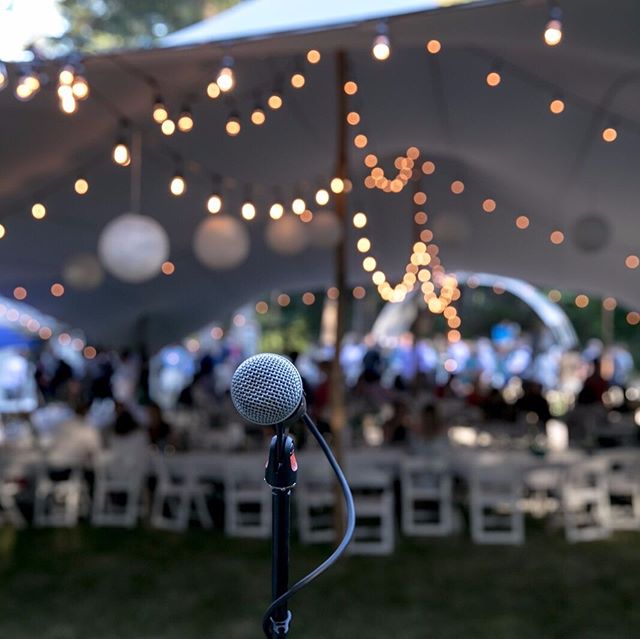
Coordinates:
[325,229]
[591,233]
[83,272]
[287,236]
[133,247]
[221,242]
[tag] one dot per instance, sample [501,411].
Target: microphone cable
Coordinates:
[267,622]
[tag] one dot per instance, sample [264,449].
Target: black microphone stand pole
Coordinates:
[280,474]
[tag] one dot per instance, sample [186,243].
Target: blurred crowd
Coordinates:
[409,394]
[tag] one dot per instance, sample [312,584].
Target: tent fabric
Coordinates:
[502,142]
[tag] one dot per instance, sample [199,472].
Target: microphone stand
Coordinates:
[280,474]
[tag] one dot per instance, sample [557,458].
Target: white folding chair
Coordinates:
[427,504]
[375,532]
[61,493]
[179,494]
[10,486]
[118,491]
[585,501]
[314,500]
[247,498]
[623,483]
[494,494]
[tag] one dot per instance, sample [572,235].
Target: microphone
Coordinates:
[266,390]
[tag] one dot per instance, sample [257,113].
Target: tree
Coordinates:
[98,25]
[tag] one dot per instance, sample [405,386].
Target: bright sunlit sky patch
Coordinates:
[23,21]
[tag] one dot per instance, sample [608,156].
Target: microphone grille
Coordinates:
[266,389]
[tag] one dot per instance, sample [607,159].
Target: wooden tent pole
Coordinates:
[338,414]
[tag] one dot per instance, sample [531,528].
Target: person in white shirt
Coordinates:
[76,442]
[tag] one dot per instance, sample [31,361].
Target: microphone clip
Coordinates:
[282,467]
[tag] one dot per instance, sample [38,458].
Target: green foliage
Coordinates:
[96,25]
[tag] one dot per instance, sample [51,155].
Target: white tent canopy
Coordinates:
[502,142]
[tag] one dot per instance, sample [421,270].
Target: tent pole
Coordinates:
[338,413]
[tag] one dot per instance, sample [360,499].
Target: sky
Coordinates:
[23,21]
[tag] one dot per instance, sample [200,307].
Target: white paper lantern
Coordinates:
[591,233]
[287,236]
[83,272]
[221,242]
[133,247]
[325,230]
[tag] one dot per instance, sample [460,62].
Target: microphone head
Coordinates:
[266,389]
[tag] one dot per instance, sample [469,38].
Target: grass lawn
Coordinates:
[106,584]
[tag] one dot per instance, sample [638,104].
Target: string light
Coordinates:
[337,185]
[298,80]
[298,206]
[553,28]
[160,113]
[80,88]
[322,197]
[556,106]
[360,220]
[57,289]
[582,301]
[28,85]
[214,203]
[493,77]
[213,90]
[185,121]
[556,237]
[3,231]
[226,77]
[381,49]
[168,268]
[178,186]
[233,125]
[121,154]
[38,211]
[609,134]
[350,87]
[457,187]
[248,210]
[168,127]
[258,116]
[67,99]
[81,186]
[313,56]
[522,222]
[275,101]
[4,76]
[434,46]
[276,211]
[20,293]
[632,261]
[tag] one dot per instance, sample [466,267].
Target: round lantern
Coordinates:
[133,247]
[83,272]
[287,236]
[325,230]
[591,233]
[221,242]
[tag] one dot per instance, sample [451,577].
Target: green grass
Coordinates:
[142,584]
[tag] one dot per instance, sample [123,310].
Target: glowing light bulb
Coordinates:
[553,28]
[68,105]
[298,80]
[258,116]
[213,90]
[121,154]
[81,186]
[313,56]
[276,211]
[168,127]
[80,88]
[160,113]
[359,220]
[381,48]
[493,78]
[322,197]
[298,206]
[38,211]
[275,101]
[556,106]
[337,185]
[233,125]
[66,75]
[185,121]
[214,203]
[248,211]
[178,186]
[226,78]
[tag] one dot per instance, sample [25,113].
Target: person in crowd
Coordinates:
[127,441]
[158,429]
[533,401]
[429,433]
[397,428]
[594,386]
[76,441]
